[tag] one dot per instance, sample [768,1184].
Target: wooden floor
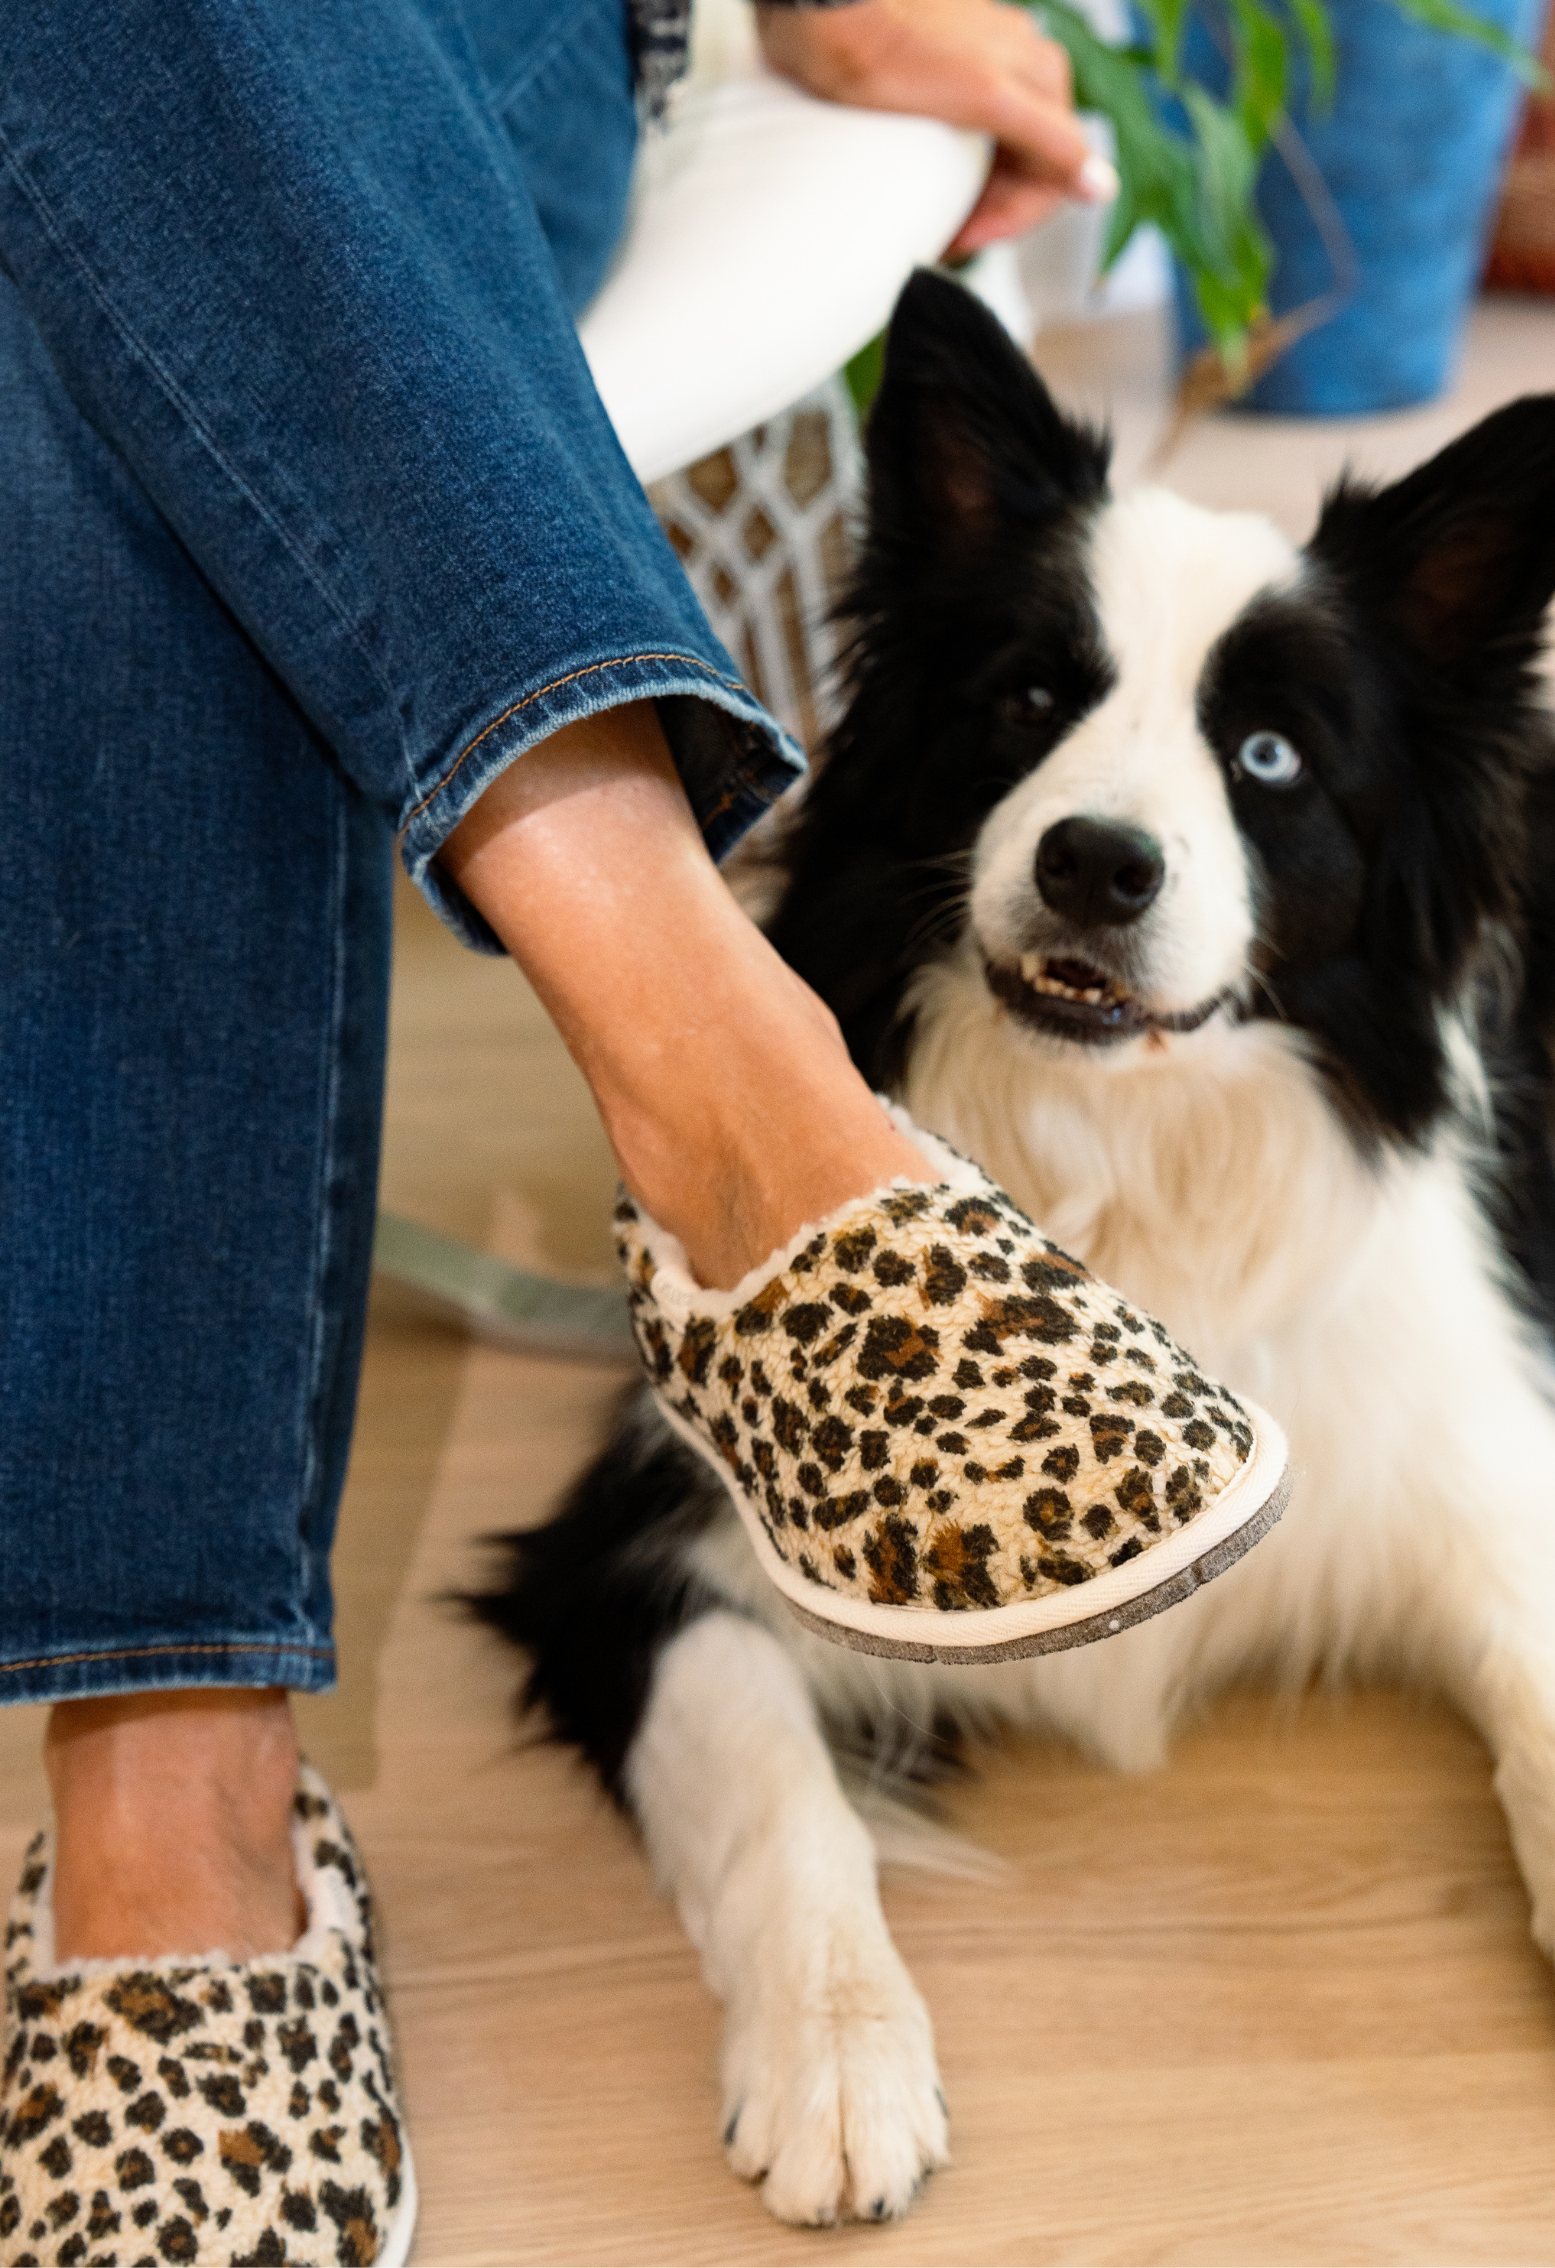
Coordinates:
[1275,2004]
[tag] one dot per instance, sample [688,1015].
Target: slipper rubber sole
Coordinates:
[1078,1615]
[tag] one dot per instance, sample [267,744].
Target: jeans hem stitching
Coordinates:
[623,661]
[140,1653]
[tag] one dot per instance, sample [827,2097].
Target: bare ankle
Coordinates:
[734,1198]
[172,1824]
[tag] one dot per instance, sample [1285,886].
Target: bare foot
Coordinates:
[726,1090]
[173,1824]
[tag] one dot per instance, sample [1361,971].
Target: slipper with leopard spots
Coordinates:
[203,2109]
[948,1440]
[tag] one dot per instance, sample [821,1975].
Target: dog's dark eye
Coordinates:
[1029,706]
[1269,760]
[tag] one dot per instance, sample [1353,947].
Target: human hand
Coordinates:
[976,63]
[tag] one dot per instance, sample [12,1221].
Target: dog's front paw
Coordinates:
[832,2098]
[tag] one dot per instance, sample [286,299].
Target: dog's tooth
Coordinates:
[1031,967]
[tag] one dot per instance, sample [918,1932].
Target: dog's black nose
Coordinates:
[1098,873]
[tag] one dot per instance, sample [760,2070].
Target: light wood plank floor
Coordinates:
[1275,2004]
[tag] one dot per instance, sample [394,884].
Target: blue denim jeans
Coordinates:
[312,523]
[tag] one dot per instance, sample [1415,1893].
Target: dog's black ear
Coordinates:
[1457,561]
[965,441]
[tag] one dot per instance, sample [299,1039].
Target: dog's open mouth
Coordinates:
[1077,1001]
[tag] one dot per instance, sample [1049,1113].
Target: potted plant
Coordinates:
[1323,180]
[1324,188]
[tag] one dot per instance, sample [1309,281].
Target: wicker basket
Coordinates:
[762,530]
[1522,253]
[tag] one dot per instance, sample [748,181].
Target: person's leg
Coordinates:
[729,1098]
[195,951]
[172,1823]
[193,959]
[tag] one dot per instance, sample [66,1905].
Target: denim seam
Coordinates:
[323,1198]
[140,1653]
[623,661]
[186,410]
[525,77]
[742,781]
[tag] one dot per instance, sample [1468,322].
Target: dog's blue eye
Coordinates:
[1270,760]
[1038,699]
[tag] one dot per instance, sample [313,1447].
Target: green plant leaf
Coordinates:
[1447,16]
[1232,280]
[862,375]
[1259,72]
[1317,31]
[1198,191]
[1228,166]
[1113,80]
[1168,20]
[1156,164]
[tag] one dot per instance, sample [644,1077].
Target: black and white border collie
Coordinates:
[1202,889]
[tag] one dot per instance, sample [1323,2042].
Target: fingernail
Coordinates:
[1097,181]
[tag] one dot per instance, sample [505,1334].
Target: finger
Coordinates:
[1048,77]
[1015,199]
[1043,66]
[1007,207]
[1094,182]
[1039,138]
[977,236]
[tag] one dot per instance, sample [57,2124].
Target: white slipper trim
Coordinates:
[395,2249]
[1023,1625]
[676,1289]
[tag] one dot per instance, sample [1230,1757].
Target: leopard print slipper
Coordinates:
[205,2110]
[948,1440]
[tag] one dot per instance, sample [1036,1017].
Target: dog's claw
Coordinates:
[731,2129]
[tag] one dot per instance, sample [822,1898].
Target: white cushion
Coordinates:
[769,236]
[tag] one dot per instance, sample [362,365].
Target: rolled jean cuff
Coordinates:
[89,1673]
[733,760]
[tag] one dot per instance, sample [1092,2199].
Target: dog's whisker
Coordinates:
[1262,982]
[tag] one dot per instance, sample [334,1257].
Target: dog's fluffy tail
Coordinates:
[596,1594]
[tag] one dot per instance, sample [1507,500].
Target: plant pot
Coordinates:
[1411,154]
[1522,254]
